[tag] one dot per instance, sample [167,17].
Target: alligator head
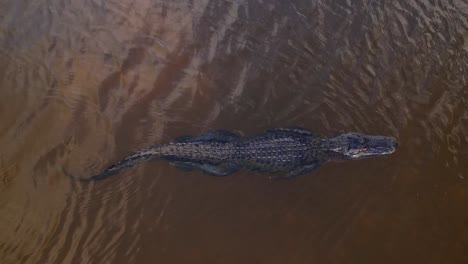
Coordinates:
[355,146]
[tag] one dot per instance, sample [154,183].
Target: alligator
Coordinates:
[286,151]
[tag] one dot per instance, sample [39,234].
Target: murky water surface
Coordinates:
[85,83]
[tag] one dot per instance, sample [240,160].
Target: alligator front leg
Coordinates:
[303,169]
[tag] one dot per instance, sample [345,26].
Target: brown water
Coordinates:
[85,83]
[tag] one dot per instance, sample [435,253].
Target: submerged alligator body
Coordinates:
[288,151]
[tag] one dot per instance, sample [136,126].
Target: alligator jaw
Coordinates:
[356,146]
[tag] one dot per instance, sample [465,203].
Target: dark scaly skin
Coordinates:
[289,151]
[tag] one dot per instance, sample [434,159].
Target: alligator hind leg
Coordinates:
[212,135]
[186,166]
[222,169]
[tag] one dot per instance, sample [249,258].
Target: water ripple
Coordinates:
[84,84]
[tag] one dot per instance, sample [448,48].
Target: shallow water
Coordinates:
[85,83]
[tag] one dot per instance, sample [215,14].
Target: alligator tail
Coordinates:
[130,161]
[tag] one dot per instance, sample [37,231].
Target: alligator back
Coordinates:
[222,153]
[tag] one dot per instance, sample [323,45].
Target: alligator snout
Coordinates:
[394,143]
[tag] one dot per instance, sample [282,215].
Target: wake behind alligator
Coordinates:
[286,151]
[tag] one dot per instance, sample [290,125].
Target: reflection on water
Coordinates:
[85,83]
